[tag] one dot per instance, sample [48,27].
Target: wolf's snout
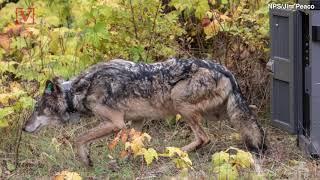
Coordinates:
[30,127]
[31,124]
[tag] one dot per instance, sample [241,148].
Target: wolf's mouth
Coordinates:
[32,129]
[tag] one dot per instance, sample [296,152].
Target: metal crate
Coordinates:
[295,63]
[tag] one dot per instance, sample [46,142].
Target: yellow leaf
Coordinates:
[171,151]
[240,158]
[6,111]
[15,92]
[244,159]
[235,136]
[3,123]
[225,18]
[136,148]
[178,117]
[134,134]
[212,29]
[150,155]
[183,160]
[180,163]
[137,143]
[127,145]
[146,136]
[220,158]
[34,31]
[186,160]
[66,175]
[15,87]
[4,98]
[226,172]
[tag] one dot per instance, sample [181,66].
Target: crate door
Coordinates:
[282,31]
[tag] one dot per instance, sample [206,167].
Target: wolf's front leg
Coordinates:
[102,130]
[201,138]
[113,121]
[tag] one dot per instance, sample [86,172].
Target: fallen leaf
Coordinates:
[134,134]
[212,29]
[137,143]
[243,159]
[124,154]
[240,158]
[226,172]
[114,142]
[182,161]
[220,158]
[124,136]
[235,136]
[3,123]
[178,117]
[10,166]
[149,155]
[66,175]
[171,151]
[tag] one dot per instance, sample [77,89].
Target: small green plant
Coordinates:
[230,163]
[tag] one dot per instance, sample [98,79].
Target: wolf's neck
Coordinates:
[66,86]
[237,107]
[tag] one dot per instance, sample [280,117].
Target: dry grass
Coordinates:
[51,150]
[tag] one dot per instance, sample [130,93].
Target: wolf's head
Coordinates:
[255,136]
[50,109]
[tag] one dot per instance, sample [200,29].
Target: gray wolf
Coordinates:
[119,90]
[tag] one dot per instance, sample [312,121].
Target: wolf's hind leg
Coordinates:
[201,138]
[113,121]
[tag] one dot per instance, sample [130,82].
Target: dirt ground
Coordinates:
[42,155]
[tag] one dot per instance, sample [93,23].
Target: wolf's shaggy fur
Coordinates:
[121,90]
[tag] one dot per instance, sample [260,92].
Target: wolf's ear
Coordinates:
[52,88]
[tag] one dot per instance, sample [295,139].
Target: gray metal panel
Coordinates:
[283,55]
[315,85]
[280,30]
[280,91]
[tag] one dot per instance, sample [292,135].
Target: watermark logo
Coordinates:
[24,16]
[291,6]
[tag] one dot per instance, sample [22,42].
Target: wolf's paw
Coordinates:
[84,155]
[90,163]
[258,149]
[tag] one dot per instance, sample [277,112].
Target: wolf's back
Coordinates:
[125,78]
